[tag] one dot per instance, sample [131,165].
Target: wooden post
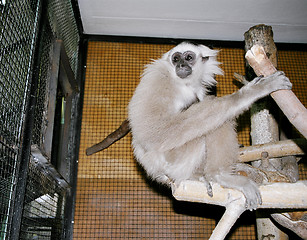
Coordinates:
[264,63]
[264,128]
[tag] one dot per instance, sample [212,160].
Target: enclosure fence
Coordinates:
[36,178]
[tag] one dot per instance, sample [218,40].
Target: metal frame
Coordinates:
[55,142]
[54,156]
[19,195]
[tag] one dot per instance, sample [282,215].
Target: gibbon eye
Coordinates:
[176,57]
[189,57]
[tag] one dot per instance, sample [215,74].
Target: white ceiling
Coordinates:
[195,19]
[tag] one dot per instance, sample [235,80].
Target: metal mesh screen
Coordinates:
[114,198]
[44,206]
[61,25]
[22,59]
[44,209]
[41,93]
[16,53]
[64,26]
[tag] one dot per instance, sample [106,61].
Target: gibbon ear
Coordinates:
[207,52]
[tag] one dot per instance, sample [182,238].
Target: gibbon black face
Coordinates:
[183,63]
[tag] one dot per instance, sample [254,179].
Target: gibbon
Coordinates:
[181,132]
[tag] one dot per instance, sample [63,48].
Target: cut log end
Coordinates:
[259,61]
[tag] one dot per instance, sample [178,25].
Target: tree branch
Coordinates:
[285,99]
[276,149]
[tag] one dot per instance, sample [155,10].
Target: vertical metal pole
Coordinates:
[70,200]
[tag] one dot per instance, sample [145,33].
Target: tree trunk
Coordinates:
[264,128]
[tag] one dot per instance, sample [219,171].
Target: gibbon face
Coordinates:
[183,63]
[193,63]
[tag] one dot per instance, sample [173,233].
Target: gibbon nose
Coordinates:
[182,64]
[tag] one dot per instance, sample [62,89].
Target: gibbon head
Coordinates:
[192,62]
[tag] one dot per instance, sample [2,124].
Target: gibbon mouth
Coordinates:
[183,72]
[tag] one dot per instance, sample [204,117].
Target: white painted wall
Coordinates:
[195,19]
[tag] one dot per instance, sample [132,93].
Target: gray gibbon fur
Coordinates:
[181,132]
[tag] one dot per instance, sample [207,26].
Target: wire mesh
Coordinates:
[61,25]
[44,212]
[40,119]
[64,26]
[44,199]
[115,200]
[16,46]
[44,206]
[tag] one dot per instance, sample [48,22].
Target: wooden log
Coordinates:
[275,195]
[274,150]
[291,106]
[264,128]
